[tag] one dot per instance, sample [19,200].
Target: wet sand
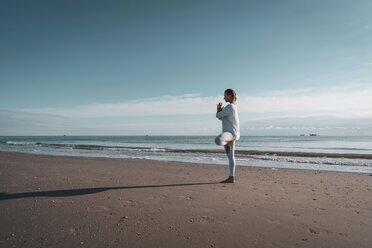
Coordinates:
[51,201]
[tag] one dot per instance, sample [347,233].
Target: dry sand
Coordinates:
[50,201]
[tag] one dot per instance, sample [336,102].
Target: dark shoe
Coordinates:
[229,180]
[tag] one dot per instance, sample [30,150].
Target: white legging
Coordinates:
[222,140]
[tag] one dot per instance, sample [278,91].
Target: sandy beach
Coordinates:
[51,201]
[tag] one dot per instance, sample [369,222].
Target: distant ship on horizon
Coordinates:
[310,134]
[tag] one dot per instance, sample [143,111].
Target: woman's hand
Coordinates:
[219,107]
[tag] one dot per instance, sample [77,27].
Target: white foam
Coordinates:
[22,143]
[317,160]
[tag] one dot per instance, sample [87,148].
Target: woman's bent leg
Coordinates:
[223,138]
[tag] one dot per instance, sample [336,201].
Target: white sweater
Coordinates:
[230,120]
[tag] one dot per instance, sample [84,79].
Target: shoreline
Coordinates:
[283,153]
[351,155]
[64,201]
[201,163]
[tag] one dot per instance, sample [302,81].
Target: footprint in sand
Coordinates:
[97,209]
[130,203]
[208,210]
[201,220]
[186,197]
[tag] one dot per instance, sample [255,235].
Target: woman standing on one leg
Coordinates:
[230,129]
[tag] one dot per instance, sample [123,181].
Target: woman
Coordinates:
[230,129]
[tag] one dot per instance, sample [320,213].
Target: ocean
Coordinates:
[330,153]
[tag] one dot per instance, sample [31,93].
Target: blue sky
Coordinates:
[159,67]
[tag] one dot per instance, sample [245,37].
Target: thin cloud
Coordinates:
[24,123]
[350,100]
[342,101]
[167,105]
[344,109]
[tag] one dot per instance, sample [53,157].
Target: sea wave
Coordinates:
[284,153]
[315,160]
[85,146]
[272,155]
[22,143]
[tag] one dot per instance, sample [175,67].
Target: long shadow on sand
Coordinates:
[87,191]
